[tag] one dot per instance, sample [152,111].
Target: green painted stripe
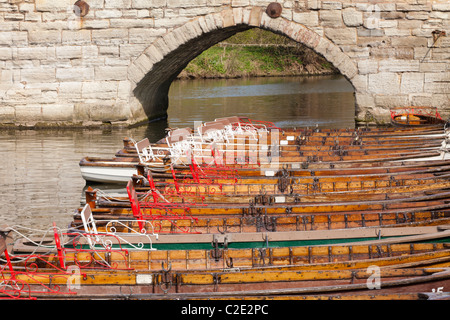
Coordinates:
[262,244]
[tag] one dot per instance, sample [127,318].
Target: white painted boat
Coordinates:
[107,171]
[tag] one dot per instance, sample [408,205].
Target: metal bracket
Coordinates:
[219,243]
[264,199]
[216,280]
[165,279]
[283,180]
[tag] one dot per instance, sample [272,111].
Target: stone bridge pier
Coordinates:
[88,62]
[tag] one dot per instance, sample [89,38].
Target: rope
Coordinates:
[38,244]
[108,197]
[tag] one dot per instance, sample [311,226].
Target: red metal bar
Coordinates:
[8,263]
[135,204]
[137,210]
[59,247]
[175,179]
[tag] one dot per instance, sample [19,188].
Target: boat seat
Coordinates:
[212,132]
[89,225]
[183,132]
[224,121]
[3,235]
[176,131]
[179,137]
[11,278]
[223,130]
[146,152]
[171,140]
[135,208]
[211,126]
[243,125]
[231,120]
[182,143]
[101,238]
[4,246]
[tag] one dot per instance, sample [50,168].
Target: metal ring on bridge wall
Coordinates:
[81,8]
[274,10]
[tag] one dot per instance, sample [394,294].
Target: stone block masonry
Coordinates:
[116,63]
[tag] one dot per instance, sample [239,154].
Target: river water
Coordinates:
[40,180]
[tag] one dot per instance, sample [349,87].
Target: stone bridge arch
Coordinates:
[153,71]
[114,64]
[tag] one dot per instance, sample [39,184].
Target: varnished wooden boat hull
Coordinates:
[238,284]
[208,225]
[303,146]
[319,250]
[403,266]
[269,273]
[438,200]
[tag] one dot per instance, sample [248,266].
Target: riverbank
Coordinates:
[237,61]
[256,53]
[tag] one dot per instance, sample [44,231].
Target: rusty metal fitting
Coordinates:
[274,10]
[80,8]
[437,34]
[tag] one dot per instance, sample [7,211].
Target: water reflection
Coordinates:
[40,180]
[294,101]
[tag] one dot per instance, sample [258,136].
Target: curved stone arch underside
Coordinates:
[152,73]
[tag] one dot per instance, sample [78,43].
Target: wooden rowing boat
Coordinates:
[291,146]
[231,177]
[303,230]
[165,285]
[235,218]
[263,223]
[400,266]
[244,212]
[120,170]
[416,116]
[261,271]
[251,218]
[310,143]
[314,146]
[279,248]
[149,209]
[423,246]
[238,285]
[265,197]
[293,189]
[182,172]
